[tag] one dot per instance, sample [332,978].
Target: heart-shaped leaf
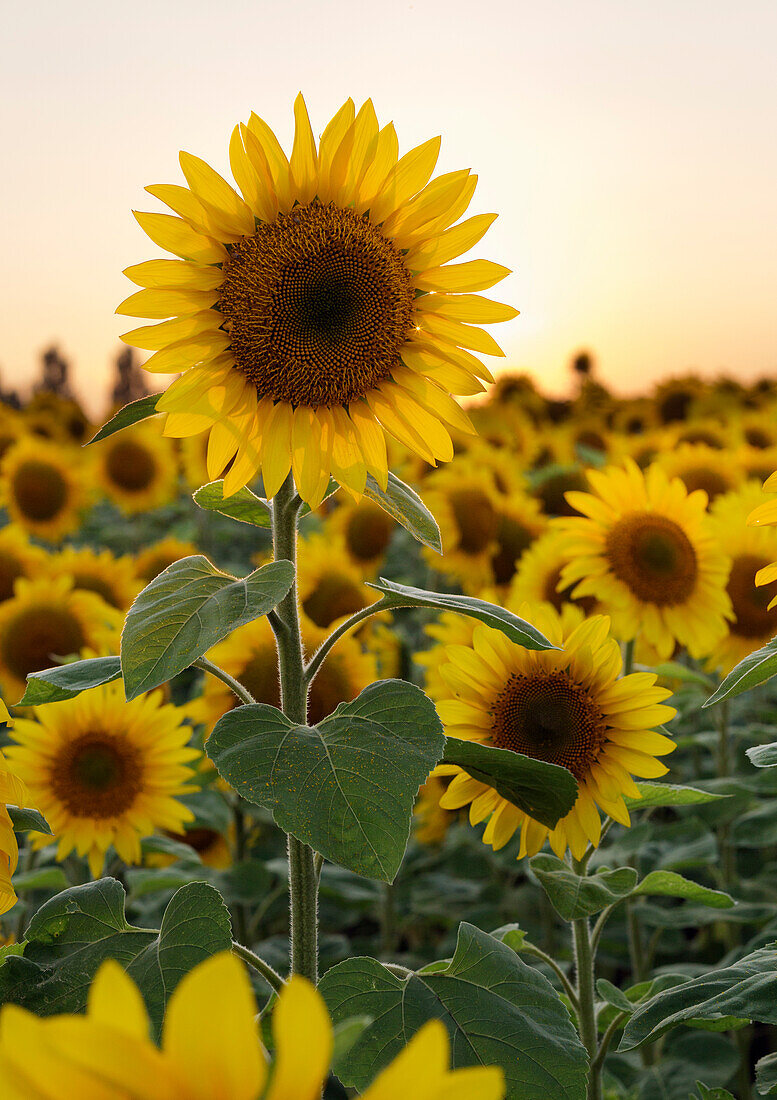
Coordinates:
[401,595]
[544,791]
[345,786]
[574,896]
[51,685]
[186,610]
[498,1011]
[130,414]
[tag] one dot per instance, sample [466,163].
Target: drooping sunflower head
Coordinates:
[137,468]
[104,771]
[48,620]
[316,309]
[44,488]
[110,577]
[567,707]
[643,547]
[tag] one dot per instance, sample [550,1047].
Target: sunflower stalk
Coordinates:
[586,1005]
[303,879]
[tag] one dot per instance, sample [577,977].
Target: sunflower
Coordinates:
[538,575]
[13,792]
[551,484]
[758,430]
[48,619]
[330,586]
[702,467]
[643,548]
[431,821]
[676,398]
[113,578]
[316,310]
[568,707]
[71,420]
[138,469]
[249,655]
[751,550]
[18,558]
[104,771]
[708,431]
[211,1046]
[43,487]
[364,529]
[757,464]
[152,561]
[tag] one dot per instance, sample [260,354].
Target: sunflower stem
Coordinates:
[584,972]
[320,655]
[272,977]
[303,880]
[243,694]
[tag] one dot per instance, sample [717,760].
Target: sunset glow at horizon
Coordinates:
[628,149]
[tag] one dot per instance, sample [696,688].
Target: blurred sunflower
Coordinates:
[569,707]
[676,398]
[71,420]
[758,430]
[315,311]
[152,561]
[765,515]
[364,529]
[711,432]
[43,487]
[14,793]
[431,822]
[643,548]
[249,655]
[330,586]
[757,465]
[702,467]
[137,469]
[538,575]
[104,771]
[210,845]
[211,1047]
[11,428]
[113,578]
[751,550]
[18,558]
[48,620]
[551,485]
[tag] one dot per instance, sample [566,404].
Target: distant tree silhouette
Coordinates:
[130,383]
[583,364]
[55,374]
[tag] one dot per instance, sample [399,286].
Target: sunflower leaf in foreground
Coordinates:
[25,819]
[52,685]
[405,506]
[545,791]
[72,933]
[498,1011]
[244,506]
[654,795]
[130,414]
[746,990]
[517,630]
[755,669]
[345,786]
[186,610]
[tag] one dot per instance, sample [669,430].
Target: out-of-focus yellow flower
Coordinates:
[44,488]
[137,468]
[113,578]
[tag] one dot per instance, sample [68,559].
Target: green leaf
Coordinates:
[574,896]
[73,933]
[669,794]
[26,819]
[766,1075]
[131,414]
[673,670]
[498,1011]
[747,990]
[611,995]
[707,1093]
[405,506]
[401,595]
[544,791]
[244,506]
[763,756]
[345,786]
[51,685]
[189,607]
[40,878]
[756,829]
[755,669]
[670,884]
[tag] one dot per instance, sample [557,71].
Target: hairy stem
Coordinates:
[272,977]
[584,968]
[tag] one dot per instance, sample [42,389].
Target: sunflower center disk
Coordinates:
[475,518]
[318,305]
[37,636]
[654,557]
[368,532]
[40,491]
[130,466]
[551,718]
[97,776]
[751,605]
[333,597]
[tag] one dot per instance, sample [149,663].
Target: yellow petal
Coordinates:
[185,353]
[460,278]
[338,132]
[300,1016]
[220,200]
[177,236]
[371,440]
[347,463]
[266,198]
[459,334]
[186,205]
[388,416]
[246,176]
[355,155]
[175,273]
[166,303]
[433,201]
[275,157]
[384,159]
[466,307]
[418,1070]
[306,457]
[155,337]
[223,443]
[276,448]
[453,242]
[409,175]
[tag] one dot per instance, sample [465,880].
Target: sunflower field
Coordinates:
[375,724]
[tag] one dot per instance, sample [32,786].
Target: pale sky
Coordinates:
[627,145]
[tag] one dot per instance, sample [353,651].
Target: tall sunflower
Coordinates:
[754,622]
[43,486]
[48,619]
[316,309]
[211,1047]
[104,771]
[566,706]
[644,549]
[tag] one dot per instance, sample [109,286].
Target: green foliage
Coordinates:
[670,884]
[497,1010]
[25,819]
[763,756]
[574,896]
[766,1075]
[345,786]
[130,414]
[401,595]
[754,669]
[669,794]
[73,933]
[544,791]
[51,685]
[244,506]
[186,610]
[405,506]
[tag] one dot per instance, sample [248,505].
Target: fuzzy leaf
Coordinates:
[51,685]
